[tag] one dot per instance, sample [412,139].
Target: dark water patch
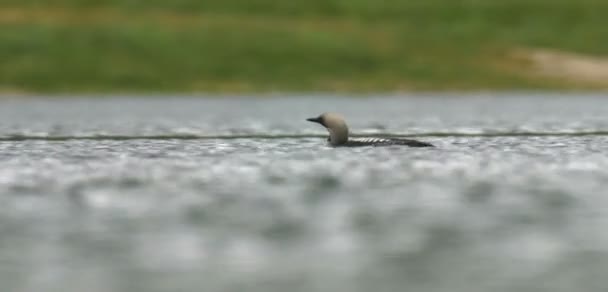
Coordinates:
[14,138]
[480,192]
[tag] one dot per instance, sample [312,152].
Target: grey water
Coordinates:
[242,194]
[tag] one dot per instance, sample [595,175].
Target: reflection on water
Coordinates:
[477,213]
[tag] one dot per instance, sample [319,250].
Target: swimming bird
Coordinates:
[338,134]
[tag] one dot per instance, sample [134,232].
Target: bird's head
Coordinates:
[335,125]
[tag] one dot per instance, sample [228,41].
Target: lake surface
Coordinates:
[241,194]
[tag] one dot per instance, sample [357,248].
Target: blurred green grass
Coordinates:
[265,45]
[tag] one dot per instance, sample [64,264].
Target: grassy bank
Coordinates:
[264,45]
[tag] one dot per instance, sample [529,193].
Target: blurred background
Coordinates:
[72,46]
[162,145]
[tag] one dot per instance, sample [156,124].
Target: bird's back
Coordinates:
[358,142]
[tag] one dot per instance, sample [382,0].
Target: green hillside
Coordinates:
[70,46]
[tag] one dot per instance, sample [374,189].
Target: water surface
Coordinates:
[241,194]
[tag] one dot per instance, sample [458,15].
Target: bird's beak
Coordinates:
[315,120]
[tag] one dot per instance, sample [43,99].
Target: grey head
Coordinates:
[335,125]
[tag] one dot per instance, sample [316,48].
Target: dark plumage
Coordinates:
[385,142]
[338,134]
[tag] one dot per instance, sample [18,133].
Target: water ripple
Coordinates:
[113,208]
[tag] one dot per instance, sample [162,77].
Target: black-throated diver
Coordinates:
[338,134]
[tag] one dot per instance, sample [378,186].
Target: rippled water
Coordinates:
[241,194]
